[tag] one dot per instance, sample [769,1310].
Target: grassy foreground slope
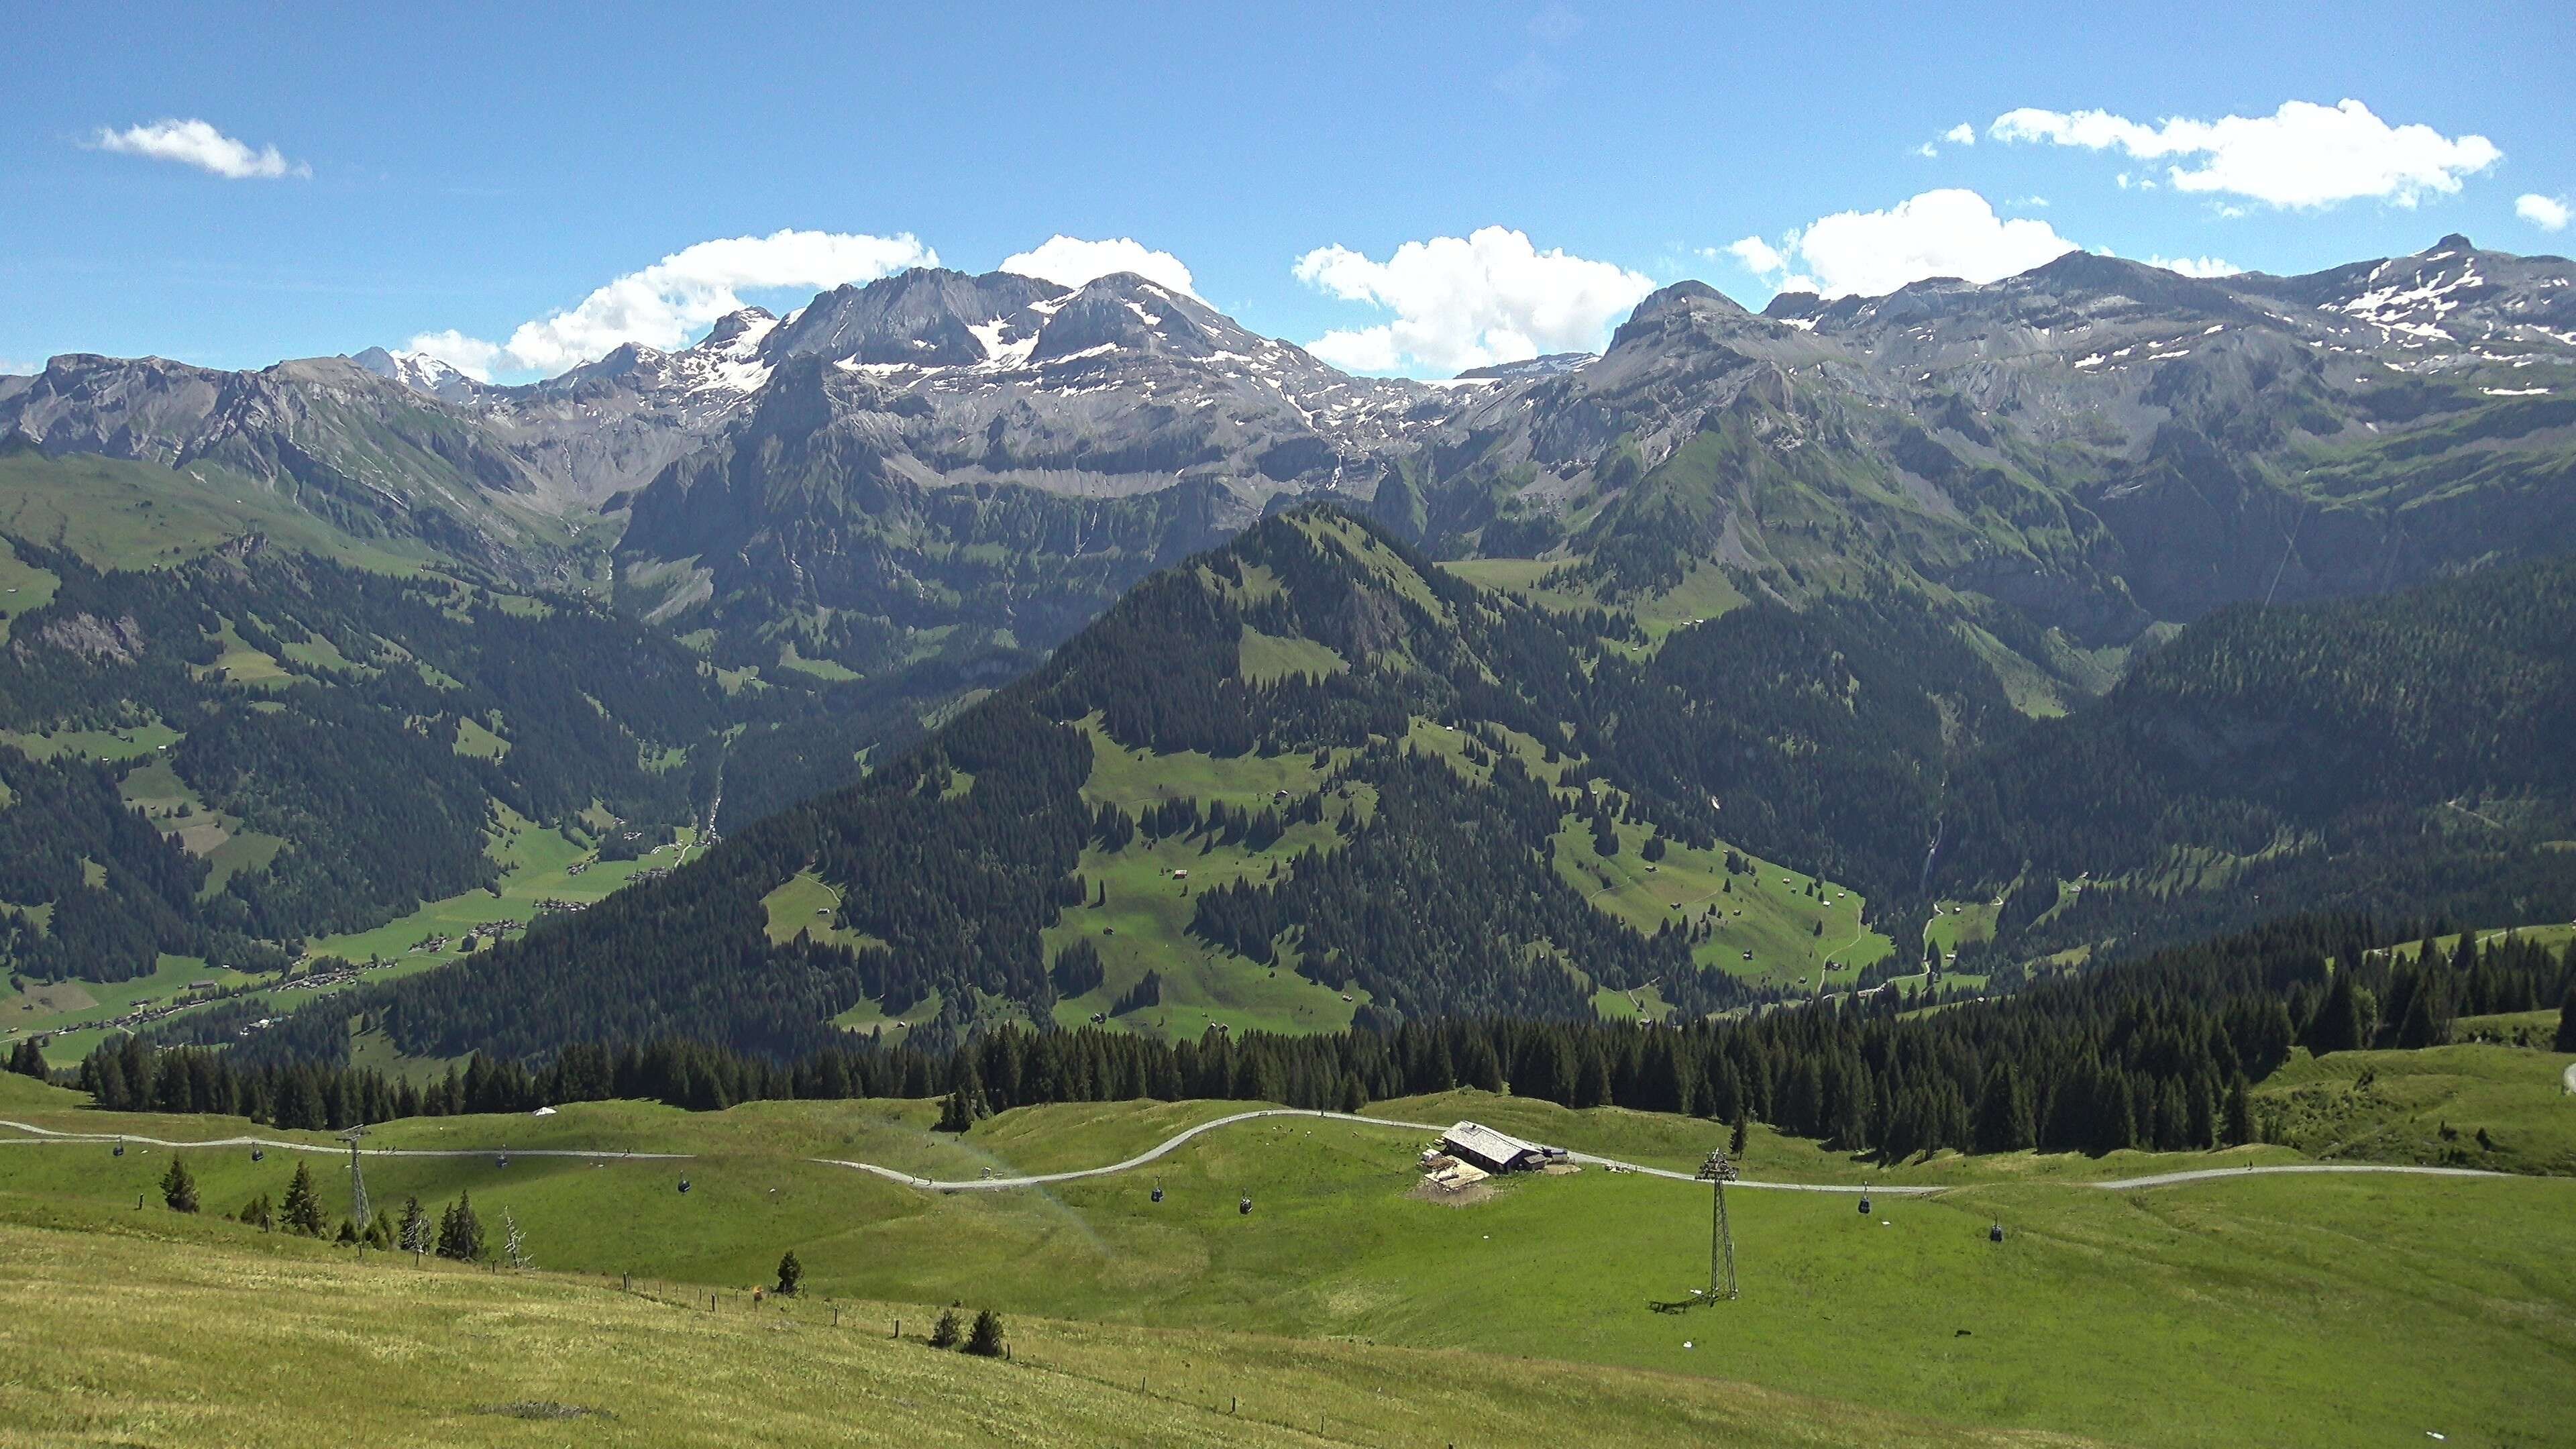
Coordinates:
[2287,1310]
[106,1342]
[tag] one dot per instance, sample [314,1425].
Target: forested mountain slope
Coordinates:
[1311,779]
[2403,753]
[225,756]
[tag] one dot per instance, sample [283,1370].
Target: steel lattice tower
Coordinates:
[1717,1172]
[359,1209]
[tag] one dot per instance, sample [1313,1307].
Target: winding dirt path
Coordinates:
[45,1136]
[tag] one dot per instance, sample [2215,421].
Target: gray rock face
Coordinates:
[2096,441]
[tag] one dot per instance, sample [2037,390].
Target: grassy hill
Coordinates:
[490,1359]
[2241,1309]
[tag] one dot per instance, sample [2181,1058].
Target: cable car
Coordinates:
[502,1160]
[1158,1190]
[684,1184]
[1995,1234]
[1864,1207]
[120,1149]
[259,1154]
[1244,1207]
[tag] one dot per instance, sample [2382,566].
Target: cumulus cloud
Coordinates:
[11,367]
[667,303]
[1462,302]
[1961,134]
[2197,266]
[2302,156]
[1070,262]
[1946,233]
[2549,213]
[198,144]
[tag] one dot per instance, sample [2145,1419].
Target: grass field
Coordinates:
[62,1008]
[538,863]
[116,513]
[2427,1106]
[107,1343]
[23,587]
[2276,1310]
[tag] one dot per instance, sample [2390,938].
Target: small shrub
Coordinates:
[985,1339]
[944,1333]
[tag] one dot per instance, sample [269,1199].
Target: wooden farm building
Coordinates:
[1483,1147]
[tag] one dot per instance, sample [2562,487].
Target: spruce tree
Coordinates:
[985,1339]
[2240,1113]
[945,1333]
[1735,1136]
[460,1233]
[2567,1017]
[790,1274]
[178,1188]
[302,1210]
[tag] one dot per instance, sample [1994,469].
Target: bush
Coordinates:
[986,1337]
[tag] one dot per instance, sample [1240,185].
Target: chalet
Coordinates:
[1484,1148]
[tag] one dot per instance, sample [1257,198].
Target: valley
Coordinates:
[2072,771]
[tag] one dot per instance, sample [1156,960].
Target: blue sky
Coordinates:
[467,171]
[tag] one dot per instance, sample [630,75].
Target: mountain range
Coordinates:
[1787,590]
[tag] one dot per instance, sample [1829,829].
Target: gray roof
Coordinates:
[1480,1141]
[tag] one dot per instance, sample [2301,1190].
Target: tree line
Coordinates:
[2159,1052]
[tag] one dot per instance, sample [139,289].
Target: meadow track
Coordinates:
[45,1136]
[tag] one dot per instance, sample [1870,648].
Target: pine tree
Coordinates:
[2240,1113]
[259,1213]
[178,1188]
[985,1339]
[460,1233]
[302,1211]
[790,1274]
[945,1333]
[2428,1015]
[956,1114]
[1735,1136]
[2567,1017]
[2003,1112]
[2341,1023]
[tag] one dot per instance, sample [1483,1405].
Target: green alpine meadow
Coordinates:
[1536,725]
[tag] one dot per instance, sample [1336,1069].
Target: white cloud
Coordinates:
[672,300]
[1961,134]
[11,367]
[2304,155]
[1757,255]
[1927,150]
[1947,233]
[1462,302]
[2549,213]
[1071,261]
[195,143]
[2196,266]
